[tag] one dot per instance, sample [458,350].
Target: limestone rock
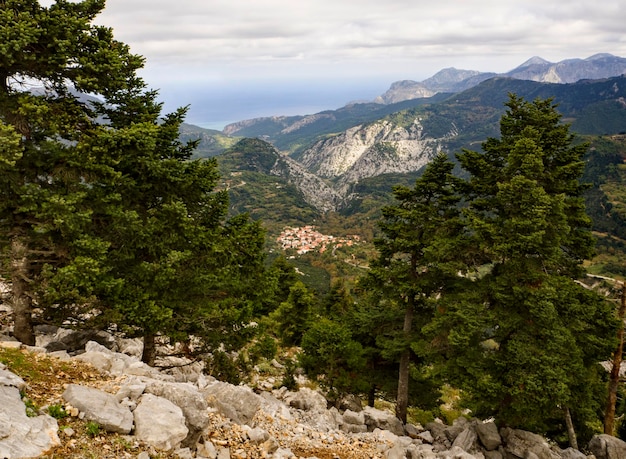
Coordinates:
[378,419]
[467,440]
[187,397]
[306,400]
[351,417]
[160,423]
[11,380]
[21,436]
[571,453]
[117,364]
[607,447]
[237,403]
[488,435]
[100,407]
[521,443]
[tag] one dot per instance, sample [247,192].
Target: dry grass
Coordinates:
[46,378]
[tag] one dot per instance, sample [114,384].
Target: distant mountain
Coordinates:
[596,67]
[210,141]
[332,173]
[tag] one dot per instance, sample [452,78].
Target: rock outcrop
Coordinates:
[22,436]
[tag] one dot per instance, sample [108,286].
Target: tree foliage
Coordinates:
[526,342]
[418,261]
[105,218]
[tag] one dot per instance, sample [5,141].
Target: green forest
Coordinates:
[476,284]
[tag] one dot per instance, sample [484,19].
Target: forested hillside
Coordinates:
[453,287]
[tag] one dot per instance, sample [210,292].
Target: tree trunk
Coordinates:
[148,355]
[402,400]
[609,414]
[571,433]
[371,396]
[21,301]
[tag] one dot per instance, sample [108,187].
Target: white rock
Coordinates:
[160,423]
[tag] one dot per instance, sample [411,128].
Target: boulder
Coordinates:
[523,444]
[10,379]
[421,452]
[100,407]
[116,363]
[257,435]
[412,431]
[132,389]
[159,423]
[607,447]
[438,432]
[350,402]
[187,397]
[571,453]
[273,407]
[306,400]
[64,339]
[238,403]
[378,419]
[488,435]
[467,440]
[21,436]
[457,453]
[458,426]
[352,417]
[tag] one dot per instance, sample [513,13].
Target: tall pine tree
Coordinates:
[46,56]
[417,263]
[527,343]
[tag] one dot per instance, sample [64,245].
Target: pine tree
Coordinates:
[108,221]
[526,342]
[45,180]
[418,261]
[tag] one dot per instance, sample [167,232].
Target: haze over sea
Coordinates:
[214,106]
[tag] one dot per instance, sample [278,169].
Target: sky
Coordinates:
[238,59]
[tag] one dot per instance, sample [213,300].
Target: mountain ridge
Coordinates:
[328,170]
[597,66]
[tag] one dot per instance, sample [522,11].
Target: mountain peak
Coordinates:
[598,56]
[535,60]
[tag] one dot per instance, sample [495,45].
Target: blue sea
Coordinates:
[214,107]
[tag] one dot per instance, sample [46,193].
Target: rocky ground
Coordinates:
[76,403]
[47,378]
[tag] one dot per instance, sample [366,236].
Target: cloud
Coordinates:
[324,31]
[222,42]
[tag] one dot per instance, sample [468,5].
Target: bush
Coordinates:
[330,355]
[265,347]
[221,366]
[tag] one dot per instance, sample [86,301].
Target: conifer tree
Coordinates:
[418,261]
[105,218]
[46,55]
[527,341]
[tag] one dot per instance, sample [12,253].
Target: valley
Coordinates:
[336,171]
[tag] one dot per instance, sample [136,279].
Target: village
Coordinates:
[307,239]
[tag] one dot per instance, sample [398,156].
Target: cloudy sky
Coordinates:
[238,59]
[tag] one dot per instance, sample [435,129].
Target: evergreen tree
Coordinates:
[330,354]
[525,343]
[417,262]
[294,315]
[46,175]
[105,217]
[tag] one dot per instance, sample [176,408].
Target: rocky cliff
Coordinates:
[369,150]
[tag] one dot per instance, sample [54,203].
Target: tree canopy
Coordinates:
[525,344]
[104,217]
